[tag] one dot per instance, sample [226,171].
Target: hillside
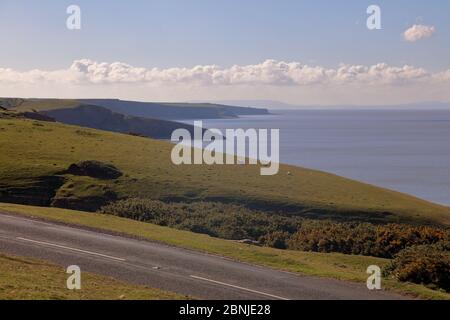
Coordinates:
[35,155]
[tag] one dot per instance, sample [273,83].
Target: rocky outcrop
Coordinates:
[94,169]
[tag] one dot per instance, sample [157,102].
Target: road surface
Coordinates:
[157,265]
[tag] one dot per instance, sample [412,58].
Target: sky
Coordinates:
[298,52]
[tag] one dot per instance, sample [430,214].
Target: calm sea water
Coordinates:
[404,150]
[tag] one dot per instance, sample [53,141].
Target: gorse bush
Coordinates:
[234,222]
[362,238]
[220,220]
[277,239]
[423,264]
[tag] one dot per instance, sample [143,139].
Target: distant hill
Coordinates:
[154,110]
[176,111]
[96,117]
[265,104]
[12,114]
[139,118]
[274,105]
[20,104]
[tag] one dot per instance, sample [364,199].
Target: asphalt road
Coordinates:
[156,265]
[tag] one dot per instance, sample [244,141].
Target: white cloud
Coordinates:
[270,72]
[292,82]
[418,32]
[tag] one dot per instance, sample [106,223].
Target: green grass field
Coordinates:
[329,265]
[31,149]
[29,279]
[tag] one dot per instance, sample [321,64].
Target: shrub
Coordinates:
[423,264]
[277,239]
[362,238]
[234,222]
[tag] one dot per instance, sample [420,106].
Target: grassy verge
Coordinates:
[338,266]
[29,279]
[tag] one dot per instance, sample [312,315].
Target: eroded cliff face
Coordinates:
[36,192]
[65,189]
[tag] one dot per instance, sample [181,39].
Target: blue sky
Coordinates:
[186,33]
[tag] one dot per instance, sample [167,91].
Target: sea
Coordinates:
[403,150]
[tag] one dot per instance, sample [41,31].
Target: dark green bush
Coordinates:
[226,221]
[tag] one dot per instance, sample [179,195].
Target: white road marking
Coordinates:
[71,249]
[240,288]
